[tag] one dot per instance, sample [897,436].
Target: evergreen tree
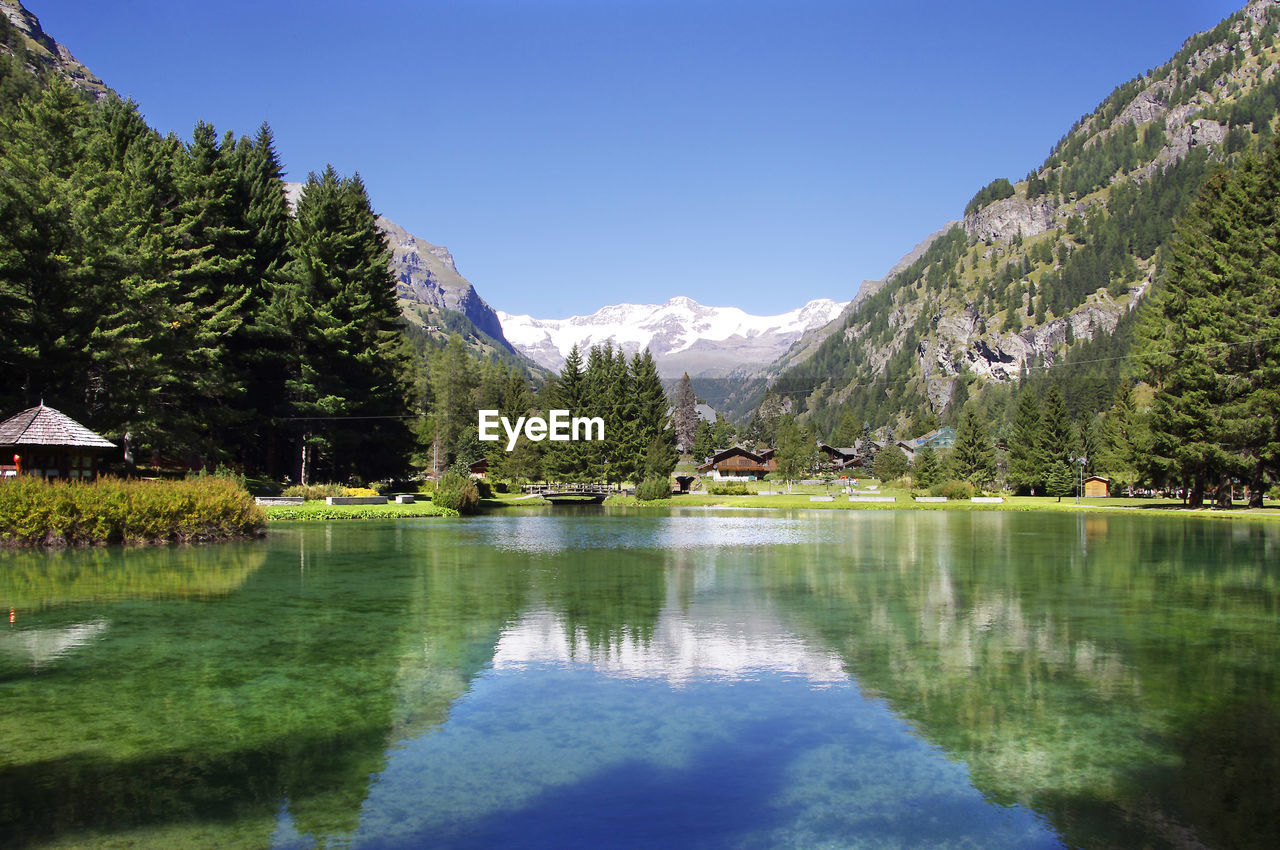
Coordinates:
[347,377]
[703,441]
[565,461]
[1061,480]
[619,422]
[1058,443]
[685,414]
[926,470]
[650,405]
[660,457]
[1211,341]
[1027,464]
[55,263]
[974,458]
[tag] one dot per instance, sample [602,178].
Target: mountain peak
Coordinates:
[682,335]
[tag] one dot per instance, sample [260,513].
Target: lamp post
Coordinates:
[1080,477]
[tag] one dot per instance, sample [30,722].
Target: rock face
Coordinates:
[426,274]
[50,54]
[1007,218]
[683,335]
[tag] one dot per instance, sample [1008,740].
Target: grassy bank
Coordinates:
[319,511]
[34,512]
[904,501]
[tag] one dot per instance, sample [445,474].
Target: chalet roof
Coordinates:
[760,457]
[44,426]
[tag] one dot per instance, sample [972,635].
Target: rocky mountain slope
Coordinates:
[435,297]
[683,335]
[1043,267]
[35,49]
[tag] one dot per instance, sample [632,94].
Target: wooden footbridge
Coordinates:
[572,494]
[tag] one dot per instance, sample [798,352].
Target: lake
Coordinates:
[609,678]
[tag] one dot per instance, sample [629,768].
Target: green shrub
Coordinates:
[730,488]
[501,487]
[483,488]
[34,512]
[651,489]
[314,492]
[953,490]
[457,492]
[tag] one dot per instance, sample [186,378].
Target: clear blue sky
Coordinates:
[578,153]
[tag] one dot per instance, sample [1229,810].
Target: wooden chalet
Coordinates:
[47,443]
[1097,487]
[480,468]
[739,462]
[838,457]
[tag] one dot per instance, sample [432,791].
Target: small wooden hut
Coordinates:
[1096,487]
[47,443]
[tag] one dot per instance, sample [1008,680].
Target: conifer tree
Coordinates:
[925,471]
[565,461]
[619,423]
[1026,447]
[351,360]
[973,459]
[1211,340]
[685,414]
[53,283]
[650,405]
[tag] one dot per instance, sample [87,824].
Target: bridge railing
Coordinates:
[589,489]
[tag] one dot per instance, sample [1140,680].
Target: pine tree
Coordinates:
[1060,480]
[974,458]
[54,279]
[1027,463]
[926,471]
[685,414]
[650,405]
[350,359]
[619,423]
[1210,343]
[1058,442]
[565,461]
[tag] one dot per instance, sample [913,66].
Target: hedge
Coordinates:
[35,512]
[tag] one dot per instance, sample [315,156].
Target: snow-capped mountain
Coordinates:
[683,335]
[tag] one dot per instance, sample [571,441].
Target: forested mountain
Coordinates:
[1044,280]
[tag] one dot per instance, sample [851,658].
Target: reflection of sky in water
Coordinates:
[558,756]
[41,647]
[680,650]
[545,534]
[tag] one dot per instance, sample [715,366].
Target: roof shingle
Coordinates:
[44,426]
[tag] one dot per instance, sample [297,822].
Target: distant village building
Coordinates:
[1097,487]
[47,443]
[939,438]
[738,463]
[838,457]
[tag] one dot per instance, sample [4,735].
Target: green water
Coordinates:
[707,679]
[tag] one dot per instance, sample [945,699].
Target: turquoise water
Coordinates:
[717,679]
